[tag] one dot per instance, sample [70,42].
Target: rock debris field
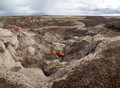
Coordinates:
[59,52]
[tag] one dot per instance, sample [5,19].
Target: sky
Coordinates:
[60,7]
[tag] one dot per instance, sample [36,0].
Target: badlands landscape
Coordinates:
[59,52]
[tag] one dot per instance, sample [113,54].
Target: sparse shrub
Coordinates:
[15,69]
[20,53]
[6,84]
[30,60]
[1,50]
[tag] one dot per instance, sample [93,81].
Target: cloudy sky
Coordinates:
[60,7]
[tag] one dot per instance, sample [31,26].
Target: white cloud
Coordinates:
[80,7]
[60,7]
[24,10]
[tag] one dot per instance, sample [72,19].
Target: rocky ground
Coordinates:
[59,52]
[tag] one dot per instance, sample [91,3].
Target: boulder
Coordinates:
[76,37]
[50,37]
[6,60]
[59,46]
[14,41]
[31,50]
[42,48]
[26,39]
[67,48]
[70,41]
[88,38]
[58,36]
[56,61]
[18,64]
[8,37]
